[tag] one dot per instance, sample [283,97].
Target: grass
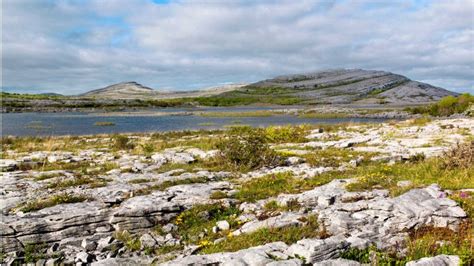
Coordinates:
[195,224]
[273,206]
[275,184]
[424,242]
[132,243]
[77,181]
[52,201]
[218,195]
[139,181]
[44,176]
[333,157]
[285,134]
[268,186]
[168,184]
[289,235]
[213,165]
[424,173]
[466,201]
[422,121]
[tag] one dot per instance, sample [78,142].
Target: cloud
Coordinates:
[71,46]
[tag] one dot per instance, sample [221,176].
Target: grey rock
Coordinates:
[223,225]
[8,165]
[52,262]
[104,244]
[147,241]
[88,245]
[290,262]
[123,261]
[315,250]
[337,262]
[293,160]
[53,248]
[282,220]
[84,257]
[440,260]
[404,183]
[167,228]
[253,256]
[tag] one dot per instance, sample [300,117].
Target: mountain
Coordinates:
[123,90]
[344,86]
[338,86]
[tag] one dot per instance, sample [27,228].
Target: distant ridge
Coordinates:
[130,89]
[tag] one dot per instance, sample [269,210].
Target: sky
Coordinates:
[72,46]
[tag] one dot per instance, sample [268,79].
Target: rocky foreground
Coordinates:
[175,201]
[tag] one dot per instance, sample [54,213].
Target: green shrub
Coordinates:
[122,142]
[446,106]
[148,149]
[247,148]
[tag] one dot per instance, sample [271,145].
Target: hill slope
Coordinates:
[123,90]
[344,86]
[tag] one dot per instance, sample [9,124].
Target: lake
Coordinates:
[55,124]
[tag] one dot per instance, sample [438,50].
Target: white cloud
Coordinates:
[70,46]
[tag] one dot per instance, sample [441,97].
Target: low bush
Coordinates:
[122,142]
[247,148]
[460,156]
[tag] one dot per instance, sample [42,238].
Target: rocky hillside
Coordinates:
[345,86]
[123,90]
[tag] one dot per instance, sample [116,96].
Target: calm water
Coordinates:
[31,124]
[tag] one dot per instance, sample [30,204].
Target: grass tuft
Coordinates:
[52,201]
